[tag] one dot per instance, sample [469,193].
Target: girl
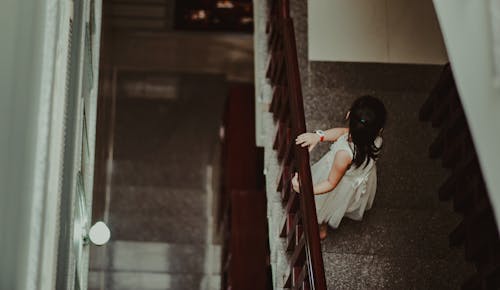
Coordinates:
[345,178]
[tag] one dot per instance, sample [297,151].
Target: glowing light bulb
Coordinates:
[99,234]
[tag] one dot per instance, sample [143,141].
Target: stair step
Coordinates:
[159,201]
[186,229]
[159,173]
[151,281]
[159,214]
[144,257]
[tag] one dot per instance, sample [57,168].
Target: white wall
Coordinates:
[495,24]
[468,33]
[388,31]
[33,73]
[23,106]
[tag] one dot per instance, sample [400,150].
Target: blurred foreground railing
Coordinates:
[465,185]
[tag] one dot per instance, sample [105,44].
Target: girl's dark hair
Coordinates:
[367,116]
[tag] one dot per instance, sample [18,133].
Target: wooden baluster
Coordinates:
[284,111]
[452,148]
[285,140]
[287,185]
[448,189]
[293,224]
[278,135]
[275,102]
[444,84]
[280,71]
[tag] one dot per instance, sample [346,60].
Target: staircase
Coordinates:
[149,265]
[164,176]
[402,243]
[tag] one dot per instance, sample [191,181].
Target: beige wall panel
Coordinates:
[342,30]
[388,31]
[413,33]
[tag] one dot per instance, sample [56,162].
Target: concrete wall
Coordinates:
[389,31]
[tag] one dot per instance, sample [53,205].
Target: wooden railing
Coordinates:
[300,227]
[465,185]
[242,198]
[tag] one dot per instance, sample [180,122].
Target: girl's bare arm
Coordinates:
[339,167]
[341,163]
[311,139]
[334,133]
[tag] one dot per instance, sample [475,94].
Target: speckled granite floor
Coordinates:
[403,241]
[160,209]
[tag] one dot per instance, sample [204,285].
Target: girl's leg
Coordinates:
[323,231]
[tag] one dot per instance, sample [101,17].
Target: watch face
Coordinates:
[320,132]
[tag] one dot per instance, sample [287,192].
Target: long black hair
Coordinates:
[367,117]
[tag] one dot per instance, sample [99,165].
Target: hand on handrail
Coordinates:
[295,182]
[308,139]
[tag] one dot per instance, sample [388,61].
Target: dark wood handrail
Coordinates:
[313,247]
[288,108]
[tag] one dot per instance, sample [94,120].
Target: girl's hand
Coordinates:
[307,139]
[295,182]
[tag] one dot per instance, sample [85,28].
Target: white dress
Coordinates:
[354,193]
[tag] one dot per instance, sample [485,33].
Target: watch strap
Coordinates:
[321,135]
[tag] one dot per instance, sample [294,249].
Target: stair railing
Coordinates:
[465,186]
[300,226]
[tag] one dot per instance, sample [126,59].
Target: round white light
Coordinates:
[99,234]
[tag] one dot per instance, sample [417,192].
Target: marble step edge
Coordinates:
[156,187]
[150,281]
[132,256]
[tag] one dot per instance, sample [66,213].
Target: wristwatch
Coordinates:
[321,135]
